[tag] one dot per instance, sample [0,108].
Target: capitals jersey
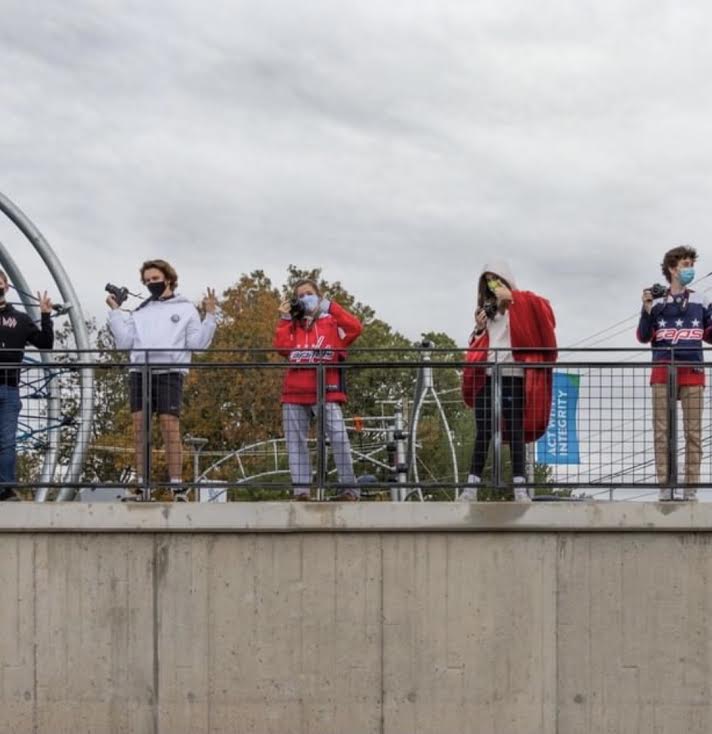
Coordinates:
[675,328]
[323,340]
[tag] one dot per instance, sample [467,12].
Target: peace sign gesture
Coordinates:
[45,302]
[210,302]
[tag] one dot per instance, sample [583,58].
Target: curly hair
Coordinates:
[673,257]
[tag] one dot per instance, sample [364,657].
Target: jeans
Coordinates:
[296,419]
[513,421]
[9,412]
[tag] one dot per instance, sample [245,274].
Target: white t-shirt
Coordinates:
[500,338]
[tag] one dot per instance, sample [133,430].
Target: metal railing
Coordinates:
[409,433]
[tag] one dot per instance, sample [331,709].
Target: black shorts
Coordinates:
[166,392]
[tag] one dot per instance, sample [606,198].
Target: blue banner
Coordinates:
[559,445]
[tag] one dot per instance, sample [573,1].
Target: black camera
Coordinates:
[490,309]
[657,290]
[296,309]
[120,294]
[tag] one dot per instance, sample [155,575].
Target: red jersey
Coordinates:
[323,340]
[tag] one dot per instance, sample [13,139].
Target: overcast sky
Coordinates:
[399,145]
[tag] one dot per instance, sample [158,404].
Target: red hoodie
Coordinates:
[531,326]
[330,333]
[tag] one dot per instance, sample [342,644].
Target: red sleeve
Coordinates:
[535,324]
[347,322]
[546,322]
[283,337]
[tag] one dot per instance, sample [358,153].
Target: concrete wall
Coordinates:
[497,619]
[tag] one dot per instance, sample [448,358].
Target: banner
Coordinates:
[559,445]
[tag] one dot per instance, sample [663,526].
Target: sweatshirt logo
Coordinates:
[175,318]
[9,321]
[301,354]
[676,335]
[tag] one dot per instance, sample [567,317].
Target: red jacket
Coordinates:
[531,326]
[329,333]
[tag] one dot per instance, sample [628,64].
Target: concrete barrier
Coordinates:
[294,618]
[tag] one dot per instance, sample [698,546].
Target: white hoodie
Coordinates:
[498,328]
[173,324]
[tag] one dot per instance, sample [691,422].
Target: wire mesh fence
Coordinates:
[243,425]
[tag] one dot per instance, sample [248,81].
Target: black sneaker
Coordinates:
[9,495]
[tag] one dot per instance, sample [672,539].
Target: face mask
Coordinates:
[310,302]
[686,276]
[156,289]
[493,283]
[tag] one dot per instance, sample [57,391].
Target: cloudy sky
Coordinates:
[399,145]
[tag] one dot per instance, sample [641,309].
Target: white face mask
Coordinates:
[310,302]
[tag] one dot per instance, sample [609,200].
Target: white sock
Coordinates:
[473,479]
[519,480]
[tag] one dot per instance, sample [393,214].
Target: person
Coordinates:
[313,329]
[17,330]
[166,321]
[675,324]
[508,320]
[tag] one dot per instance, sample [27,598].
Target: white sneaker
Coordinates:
[469,494]
[521,494]
[690,495]
[665,495]
[520,491]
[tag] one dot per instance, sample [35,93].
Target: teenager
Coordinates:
[17,330]
[675,324]
[312,329]
[512,328]
[166,321]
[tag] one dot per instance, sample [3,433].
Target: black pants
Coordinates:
[512,421]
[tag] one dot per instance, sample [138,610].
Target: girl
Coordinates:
[508,320]
[311,330]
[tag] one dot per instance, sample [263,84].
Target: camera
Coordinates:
[490,309]
[119,293]
[657,290]
[296,309]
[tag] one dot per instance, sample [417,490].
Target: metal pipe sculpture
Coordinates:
[81,336]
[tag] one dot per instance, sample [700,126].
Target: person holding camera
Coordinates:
[675,320]
[17,330]
[508,320]
[312,329]
[171,323]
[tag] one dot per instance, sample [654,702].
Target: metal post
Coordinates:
[496,400]
[398,494]
[197,444]
[529,464]
[147,442]
[320,430]
[672,425]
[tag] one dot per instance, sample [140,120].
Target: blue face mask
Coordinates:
[686,276]
[310,302]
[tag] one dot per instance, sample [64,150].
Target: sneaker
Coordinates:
[521,494]
[469,494]
[689,495]
[9,495]
[665,495]
[134,496]
[180,495]
[348,495]
[302,497]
